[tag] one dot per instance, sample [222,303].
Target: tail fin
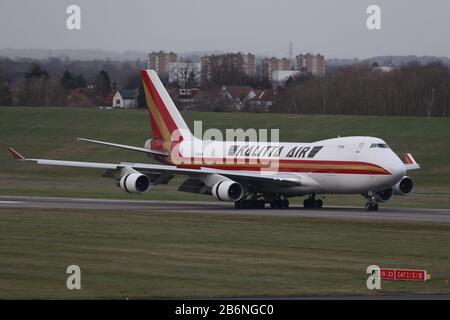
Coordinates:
[165,119]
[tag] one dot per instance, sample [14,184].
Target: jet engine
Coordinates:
[385,195]
[227,190]
[404,187]
[135,182]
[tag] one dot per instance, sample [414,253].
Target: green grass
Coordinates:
[154,255]
[50,133]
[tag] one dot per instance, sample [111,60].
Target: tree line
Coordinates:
[50,82]
[412,89]
[409,90]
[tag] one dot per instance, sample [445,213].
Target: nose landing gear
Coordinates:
[372,203]
[371,206]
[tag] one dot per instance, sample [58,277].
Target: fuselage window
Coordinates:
[379,145]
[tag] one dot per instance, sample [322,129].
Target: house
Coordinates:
[262,101]
[125,98]
[189,99]
[89,97]
[238,95]
[245,97]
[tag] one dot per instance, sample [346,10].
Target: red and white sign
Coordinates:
[403,274]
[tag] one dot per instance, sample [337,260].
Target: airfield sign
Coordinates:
[404,274]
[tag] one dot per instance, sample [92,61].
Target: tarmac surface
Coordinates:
[391,214]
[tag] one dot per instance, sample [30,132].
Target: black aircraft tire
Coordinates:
[306,203]
[319,203]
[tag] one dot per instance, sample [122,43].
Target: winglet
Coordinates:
[410,163]
[16,154]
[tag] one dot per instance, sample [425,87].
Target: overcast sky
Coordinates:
[336,28]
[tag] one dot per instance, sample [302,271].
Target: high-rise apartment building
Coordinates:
[240,62]
[269,65]
[312,64]
[160,62]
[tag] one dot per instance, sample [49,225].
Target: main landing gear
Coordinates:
[279,203]
[258,201]
[372,203]
[312,203]
[250,204]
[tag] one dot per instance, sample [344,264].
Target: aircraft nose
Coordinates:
[398,172]
[397,169]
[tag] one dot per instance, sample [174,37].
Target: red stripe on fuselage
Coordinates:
[248,160]
[271,165]
[309,170]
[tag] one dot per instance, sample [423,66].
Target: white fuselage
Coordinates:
[339,165]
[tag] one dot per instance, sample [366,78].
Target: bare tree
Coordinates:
[357,89]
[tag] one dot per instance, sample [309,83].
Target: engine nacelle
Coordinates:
[404,187]
[385,195]
[135,182]
[227,190]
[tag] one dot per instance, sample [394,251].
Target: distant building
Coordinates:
[270,65]
[125,98]
[160,62]
[262,101]
[185,98]
[249,64]
[180,73]
[279,77]
[241,97]
[243,63]
[98,99]
[312,64]
[189,98]
[376,67]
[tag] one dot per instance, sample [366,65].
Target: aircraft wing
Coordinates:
[284,180]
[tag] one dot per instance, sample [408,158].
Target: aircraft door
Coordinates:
[360,146]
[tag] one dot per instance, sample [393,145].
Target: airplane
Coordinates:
[252,174]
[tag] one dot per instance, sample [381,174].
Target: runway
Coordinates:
[390,214]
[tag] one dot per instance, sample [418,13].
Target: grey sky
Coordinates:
[336,28]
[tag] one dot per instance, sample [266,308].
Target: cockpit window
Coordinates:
[379,145]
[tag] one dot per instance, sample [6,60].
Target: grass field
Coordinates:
[159,255]
[152,254]
[50,132]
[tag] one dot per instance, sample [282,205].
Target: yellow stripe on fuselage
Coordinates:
[269,162]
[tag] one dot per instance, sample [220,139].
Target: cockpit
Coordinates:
[380,145]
